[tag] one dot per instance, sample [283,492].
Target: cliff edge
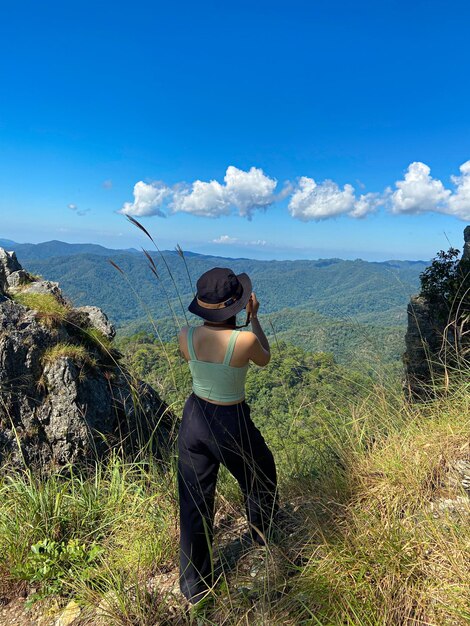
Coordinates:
[438,334]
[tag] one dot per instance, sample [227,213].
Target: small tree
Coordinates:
[446,282]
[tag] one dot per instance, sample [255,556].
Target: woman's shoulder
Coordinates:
[183,333]
[183,341]
[185,329]
[246,337]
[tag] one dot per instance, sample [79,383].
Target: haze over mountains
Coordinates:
[346,307]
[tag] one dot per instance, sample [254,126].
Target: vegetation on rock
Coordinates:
[446,282]
[77,353]
[49,311]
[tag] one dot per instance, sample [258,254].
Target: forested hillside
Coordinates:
[350,308]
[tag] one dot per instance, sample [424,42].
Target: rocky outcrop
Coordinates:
[466,247]
[64,397]
[9,264]
[41,287]
[437,339]
[99,320]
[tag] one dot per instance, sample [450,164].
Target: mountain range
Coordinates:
[322,304]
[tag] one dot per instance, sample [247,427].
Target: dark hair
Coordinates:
[232,321]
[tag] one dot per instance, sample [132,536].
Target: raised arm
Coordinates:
[260,352]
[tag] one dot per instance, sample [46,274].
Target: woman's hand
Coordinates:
[253,305]
[260,352]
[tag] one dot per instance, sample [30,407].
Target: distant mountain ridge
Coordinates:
[55,247]
[323,304]
[334,287]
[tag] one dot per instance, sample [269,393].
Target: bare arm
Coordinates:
[260,351]
[183,342]
[258,331]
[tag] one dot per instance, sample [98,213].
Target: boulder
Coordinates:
[8,265]
[45,287]
[423,341]
[3,281]
[99,320]
[18,278]
[9,262]
[62,399]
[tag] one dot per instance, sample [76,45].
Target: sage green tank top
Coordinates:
[221,382]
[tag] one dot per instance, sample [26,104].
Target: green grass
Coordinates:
[123,509]
[77,353]
[366,547]
[49,310]
[384,557]
[98,339]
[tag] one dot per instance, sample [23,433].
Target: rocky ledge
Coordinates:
[64,396]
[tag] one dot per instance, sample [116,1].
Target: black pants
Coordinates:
[211,434]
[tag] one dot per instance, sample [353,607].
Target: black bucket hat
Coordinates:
[220,294]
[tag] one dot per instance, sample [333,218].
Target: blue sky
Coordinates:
[277,97]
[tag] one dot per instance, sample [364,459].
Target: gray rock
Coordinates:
[8,264]
[18,278]
[459,506]
[466,248]
[68,409]
[3,281]
[423,341]
[46,287]
[13,276]
[463,468]
[99,320]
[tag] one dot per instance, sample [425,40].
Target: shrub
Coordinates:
[52,564]
[447,281]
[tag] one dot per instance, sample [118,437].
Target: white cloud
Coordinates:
[72,207]
[419,192]
[313,201]
[459,202]
[148,200]
[243,191]
[204,199]
[250,190]
[367,203]
[225,239]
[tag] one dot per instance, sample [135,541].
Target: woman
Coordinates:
[217,427]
